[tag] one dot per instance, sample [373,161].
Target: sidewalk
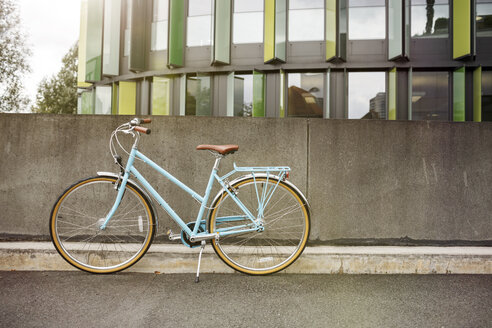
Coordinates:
[167,258]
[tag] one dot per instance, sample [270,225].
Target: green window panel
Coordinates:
[82,46]
[161,87]
[94,35]
[221,47]
[114,99]
[258,94]
[275,32]
[111,47]
[175,53]
[398,29]
[87,103]
[336,29]
[127,98]
[459,95]
[462,43]
[392,91]
[139,35]
[477,94]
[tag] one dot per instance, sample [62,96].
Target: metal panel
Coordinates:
[139,36]
[398,29]
[221,47]
[127,98]
[82,46]
[462,43]
[275,31]
[176,33]
[477,94]
[459,95]
[269,31]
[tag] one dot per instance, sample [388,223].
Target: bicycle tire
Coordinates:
[286,226]
[79,212]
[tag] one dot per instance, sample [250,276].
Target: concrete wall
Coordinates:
[368,182]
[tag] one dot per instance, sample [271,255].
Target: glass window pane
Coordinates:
[243,6]
[161,9]
[159,25]
[127,98]
[367,19]
[198,96]
[305,94]
[366,95]
[199,7]
[126,50]
[484,18]
[94,40]
[111,47]
[248,28]
[487,96]
[459,95]
[430,96]
[86,103]
[306,25]
[199,31]
[306,4]
[160,95]
[258,94]
[103,101]
[430,20]
[243,95]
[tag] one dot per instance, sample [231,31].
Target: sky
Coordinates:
[51,27]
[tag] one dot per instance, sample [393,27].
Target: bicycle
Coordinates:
[258,224]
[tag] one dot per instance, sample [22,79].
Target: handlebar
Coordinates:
[142,129]
[137,121]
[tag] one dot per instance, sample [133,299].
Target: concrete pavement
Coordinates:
[78,299]
[176,258]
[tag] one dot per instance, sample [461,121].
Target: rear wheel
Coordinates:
[80,211]
[286,223]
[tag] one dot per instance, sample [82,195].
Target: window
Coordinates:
[430,96]
[159,25]
[248,21]
[430,18]
[199,26]
[103,100]
[305,94]
[367,95]
[487,96]
[160,95]
[198,96]
[484,18]
[367,19]
[243,95]
[128,35]
[306,20]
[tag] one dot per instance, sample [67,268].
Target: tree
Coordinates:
[13,56]
[58,94]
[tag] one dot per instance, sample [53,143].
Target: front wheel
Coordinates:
[285,217]
[77,217]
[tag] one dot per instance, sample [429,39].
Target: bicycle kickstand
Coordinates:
[197,279]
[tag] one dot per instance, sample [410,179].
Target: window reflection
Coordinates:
[367,19]
[430,96]
[103,100]
[243,95]
[305,94]
[159,25]
[199,28]
[248,21]
[306,20]
[198,96]
[430,18]
[367,95]
[487,96]
[484,18]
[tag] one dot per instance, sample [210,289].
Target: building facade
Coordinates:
[371,59]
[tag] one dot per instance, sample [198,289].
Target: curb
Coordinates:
[166,258]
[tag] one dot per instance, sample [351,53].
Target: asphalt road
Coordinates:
[77,299]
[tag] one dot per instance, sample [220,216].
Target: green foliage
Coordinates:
[58,94]
[13,57]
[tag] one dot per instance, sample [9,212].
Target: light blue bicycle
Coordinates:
[258,223]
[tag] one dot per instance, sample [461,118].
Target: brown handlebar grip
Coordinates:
[146,120]
[142,130]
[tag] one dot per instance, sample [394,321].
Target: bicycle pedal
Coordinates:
[173,236]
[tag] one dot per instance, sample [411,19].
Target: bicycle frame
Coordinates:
[255,224]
